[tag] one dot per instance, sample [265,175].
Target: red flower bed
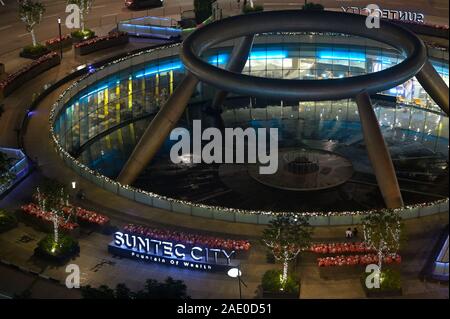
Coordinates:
[339,248]
[54,41]
[345,260]
[95,40]
[35,211]
[187,238]
[26,68]
[88,216]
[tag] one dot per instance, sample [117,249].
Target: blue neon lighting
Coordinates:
[161,68]
[269,54]
[150,27]
[95,91]
[254,55]
[341,55]
[440,69]
[218,59]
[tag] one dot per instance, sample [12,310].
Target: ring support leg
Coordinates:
[434,85]
[378,153]
[158,130]
[236,64]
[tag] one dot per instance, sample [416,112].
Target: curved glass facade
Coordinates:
[141,89]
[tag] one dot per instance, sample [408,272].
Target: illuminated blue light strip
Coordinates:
[218,59]
[254,55]
[162,68]
[95,91]
[269,54]
[440,68]
[341,55]
[150,27]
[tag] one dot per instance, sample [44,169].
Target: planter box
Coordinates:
[78,40]
[104,44]
[103,229]
[30,74]
[280,295]
[377,293]
[45,226]
[57,259]
[66,44]
[33,56]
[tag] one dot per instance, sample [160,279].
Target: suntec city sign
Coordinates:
[171,253]
[389,14]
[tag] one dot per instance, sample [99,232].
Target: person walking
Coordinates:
[355,232]
[348,233]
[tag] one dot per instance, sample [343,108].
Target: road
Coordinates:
[108,12]
[103,12]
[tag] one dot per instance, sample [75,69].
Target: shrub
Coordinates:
[66,247]
[169,289]
[7,221]
[83,35]
[390,280]
[37,49]
[256,8]
[271,282]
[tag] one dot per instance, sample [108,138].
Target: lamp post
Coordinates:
[60,38]
[236,273]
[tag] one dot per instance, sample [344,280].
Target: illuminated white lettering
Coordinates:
[177,253]
[167,249]
[118,238]
[193,255]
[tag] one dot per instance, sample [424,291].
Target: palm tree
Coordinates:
[286,236]
[31,14]
[84,6]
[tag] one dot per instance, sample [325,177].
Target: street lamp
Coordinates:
[60,38]
[236,273]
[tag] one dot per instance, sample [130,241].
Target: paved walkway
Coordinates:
[99,267]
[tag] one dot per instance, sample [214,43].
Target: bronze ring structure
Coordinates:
[358,87]
[403,40]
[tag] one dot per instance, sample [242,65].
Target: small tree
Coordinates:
[286,236]
[85,7]
[382,233]
[31,14]
[54,202]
